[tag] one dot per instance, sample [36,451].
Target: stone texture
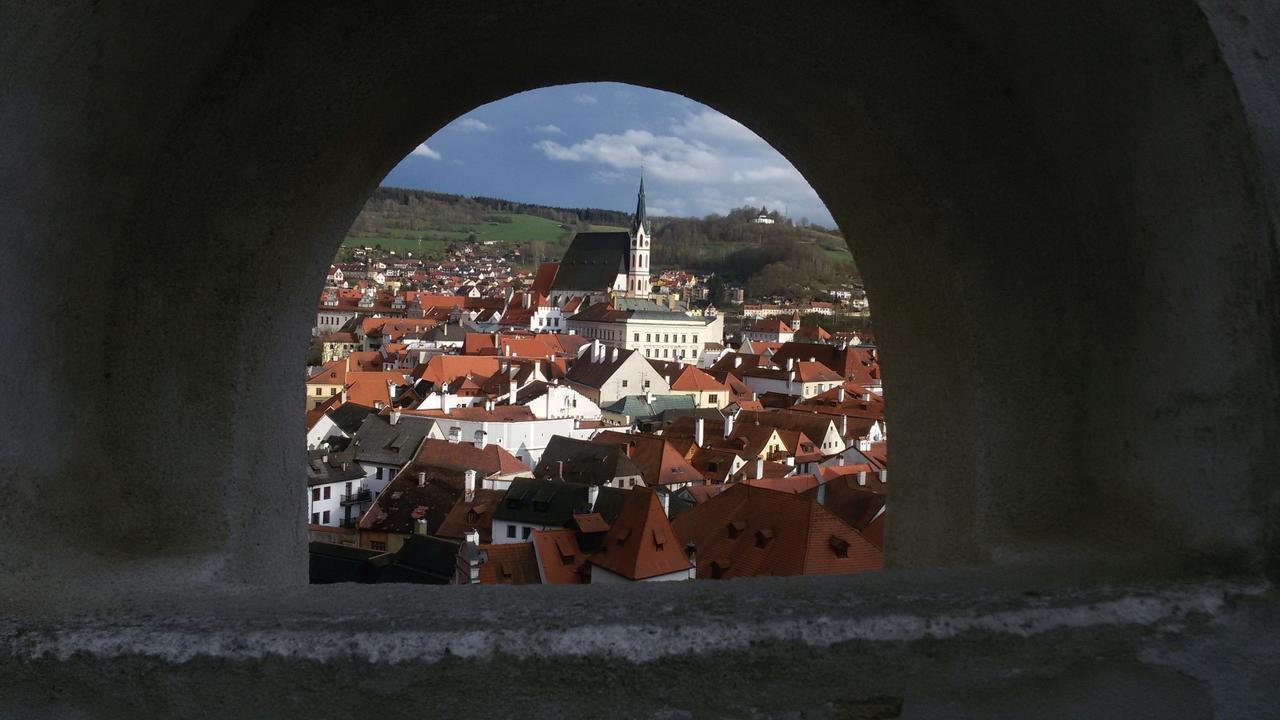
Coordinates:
[1065,213]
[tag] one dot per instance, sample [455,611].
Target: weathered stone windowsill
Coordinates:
[768,647]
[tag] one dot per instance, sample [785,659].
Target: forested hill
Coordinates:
[780,258]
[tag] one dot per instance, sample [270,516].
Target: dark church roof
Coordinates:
[593,261]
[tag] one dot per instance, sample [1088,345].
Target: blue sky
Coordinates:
[582,146]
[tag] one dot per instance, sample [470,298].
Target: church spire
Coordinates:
[640,220]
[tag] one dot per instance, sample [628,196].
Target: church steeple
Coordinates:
[641,220]
[638,258]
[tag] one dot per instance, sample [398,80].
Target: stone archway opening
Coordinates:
[422,271]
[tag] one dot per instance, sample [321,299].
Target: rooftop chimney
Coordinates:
[395,415]
[728,424]
[422,479]
[469,485]
[665,499]
[737,360]
[822,493]
[790,460]
[862,477]
[613,354]
[420,526]
[884,476]
[759,468]
[866,397]
[840,394]
[593,494]
[699,426]
[791,363]
[488,404]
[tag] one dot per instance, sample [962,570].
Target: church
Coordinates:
[600,266]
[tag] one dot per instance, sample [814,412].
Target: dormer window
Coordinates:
[839,546]
[763,537]
[736,528]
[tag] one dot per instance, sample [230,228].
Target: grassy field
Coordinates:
[522,228]
[609,228]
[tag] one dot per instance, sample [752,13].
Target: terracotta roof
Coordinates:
[767,325]
[659,462]
[640,543]
[560,559]
[462,456]
[509,564]
[691,379]
[443,369]
[747,532]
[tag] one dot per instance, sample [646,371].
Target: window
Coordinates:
[624,383]
[525,532]
[315,494]
[695,339]
[315,518]
[637,337]
[646,384]
[317,391]
[333,391]
[327,490]
[378,473]
[684,338]
[648,337]
[376,545]
[325,517]
[664,353]
[713,398]
[511,531]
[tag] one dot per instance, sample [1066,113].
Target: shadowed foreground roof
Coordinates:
[749,532]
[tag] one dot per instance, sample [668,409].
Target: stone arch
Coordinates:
[1056,214]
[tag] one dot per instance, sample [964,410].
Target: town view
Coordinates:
[549,354]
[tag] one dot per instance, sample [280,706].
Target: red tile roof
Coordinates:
[640,543]
[691,379]
[560,559]
[509,564]
[659,462]
[747,532]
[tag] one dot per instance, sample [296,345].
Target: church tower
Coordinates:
[638,258]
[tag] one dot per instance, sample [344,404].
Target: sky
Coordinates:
[583,145]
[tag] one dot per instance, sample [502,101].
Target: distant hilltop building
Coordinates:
[601,265]
[764,218]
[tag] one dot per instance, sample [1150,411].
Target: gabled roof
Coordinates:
[378,441]
[595,374]
[582,461]
[423,559]
[592,261]
[458,457]
[551,503]
[639,407]
[560,559]
[659,462]
[546,276]
[749,531]
[509,564]
[691,379]
[640,543]
[474,515]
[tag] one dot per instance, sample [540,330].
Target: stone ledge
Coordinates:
[830,647]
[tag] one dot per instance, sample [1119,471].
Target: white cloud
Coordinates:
[549,129]
[712,124]
[607,176]
[585,99]
[663,156]
[468,123]
[424,151]
[768,173]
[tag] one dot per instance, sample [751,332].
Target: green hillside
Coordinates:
[767,259]
[433,237]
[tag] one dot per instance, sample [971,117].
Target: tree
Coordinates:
[716,291]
